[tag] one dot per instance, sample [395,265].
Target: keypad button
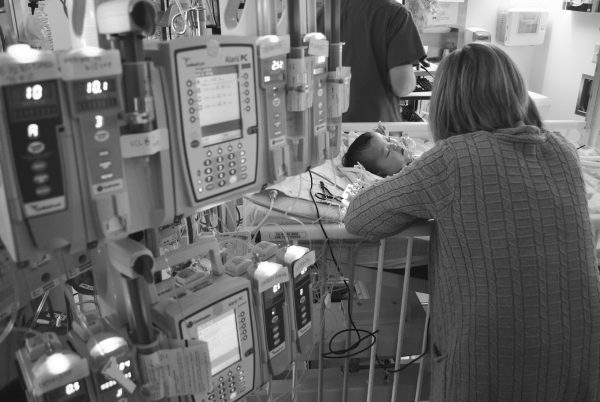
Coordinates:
[105,165]
[39,166]
[36,147]
[43,191]
[41,178]
[101,136]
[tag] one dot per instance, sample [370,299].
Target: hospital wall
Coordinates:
[553,69]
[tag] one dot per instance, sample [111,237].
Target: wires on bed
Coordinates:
[362,334]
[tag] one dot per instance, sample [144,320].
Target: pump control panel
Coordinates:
[213,91]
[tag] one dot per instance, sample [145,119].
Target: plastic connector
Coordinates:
[273,194]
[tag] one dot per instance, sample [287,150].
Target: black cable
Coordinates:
[427,71]
[240,220]
[416,358]
[347,352]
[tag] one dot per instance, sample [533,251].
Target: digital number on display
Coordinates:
[277,65]
[34,92]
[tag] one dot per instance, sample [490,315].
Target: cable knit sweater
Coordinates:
[515,291]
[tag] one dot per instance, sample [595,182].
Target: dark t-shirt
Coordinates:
[378,35]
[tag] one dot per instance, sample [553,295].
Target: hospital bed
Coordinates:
[288,212]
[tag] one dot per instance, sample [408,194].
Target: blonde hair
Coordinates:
[479,88]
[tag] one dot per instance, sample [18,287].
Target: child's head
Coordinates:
[377,154]
[478,88]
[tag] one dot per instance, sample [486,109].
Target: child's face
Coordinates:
[383,157]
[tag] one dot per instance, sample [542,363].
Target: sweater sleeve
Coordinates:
[422,190]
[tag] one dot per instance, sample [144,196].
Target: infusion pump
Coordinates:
[221,314]
[210,85]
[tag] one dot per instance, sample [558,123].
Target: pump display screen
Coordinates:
[75,391]
[31,94]
[218,103]
[222,336]
[273,70]
[95,88]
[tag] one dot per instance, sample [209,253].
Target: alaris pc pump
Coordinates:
[214,112]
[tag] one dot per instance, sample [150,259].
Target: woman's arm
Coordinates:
[422,190]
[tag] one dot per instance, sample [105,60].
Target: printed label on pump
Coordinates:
[42,69]
[318,47]
[304,262]
[180,371]
[270,274]
[144,144]
[277,350]
[304,329]
[80,65]
[272,48]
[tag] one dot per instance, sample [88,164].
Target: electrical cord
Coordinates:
[272,196]
[404,367]
[427,71]
[349,351]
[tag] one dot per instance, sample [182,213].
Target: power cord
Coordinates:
[351,350]
[272,196]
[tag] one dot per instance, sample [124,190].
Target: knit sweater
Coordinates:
[515,290]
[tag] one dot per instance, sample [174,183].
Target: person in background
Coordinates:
[514,281]
[379,154]
[381,45]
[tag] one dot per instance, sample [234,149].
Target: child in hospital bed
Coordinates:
[378,154]
[373,155]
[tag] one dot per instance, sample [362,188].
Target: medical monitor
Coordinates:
[223,341]
[222,315]
[215,126]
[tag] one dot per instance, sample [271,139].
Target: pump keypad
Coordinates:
[228,167]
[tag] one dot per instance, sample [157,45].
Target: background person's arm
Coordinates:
[402,79]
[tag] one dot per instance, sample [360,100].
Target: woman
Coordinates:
[515,289]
